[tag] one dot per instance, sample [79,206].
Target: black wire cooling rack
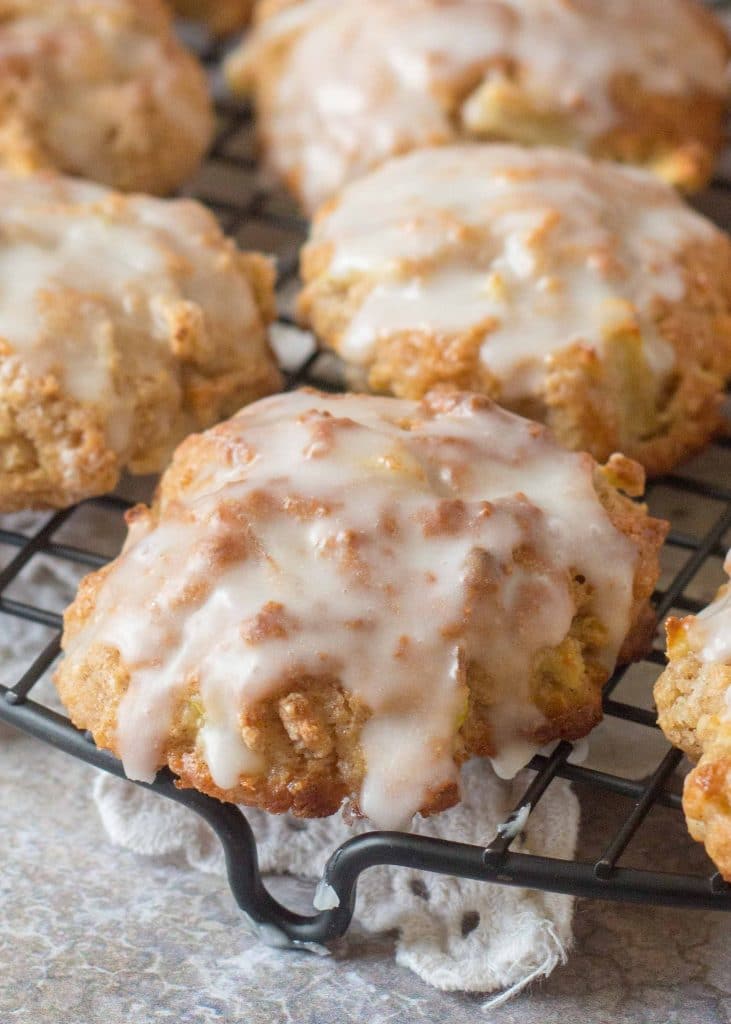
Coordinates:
[261,218]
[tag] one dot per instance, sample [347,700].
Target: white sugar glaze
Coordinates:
[709,632]
[82,267]
[331,119]
[384,537]
[538,249]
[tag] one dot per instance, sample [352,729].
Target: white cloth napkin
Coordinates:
[455,934]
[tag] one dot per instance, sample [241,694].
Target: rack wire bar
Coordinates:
[607,862]
[273,215]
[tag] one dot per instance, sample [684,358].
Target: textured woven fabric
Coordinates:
[455,934]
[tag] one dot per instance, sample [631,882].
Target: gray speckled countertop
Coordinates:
[89,933]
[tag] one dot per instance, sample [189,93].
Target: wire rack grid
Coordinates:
[230,184]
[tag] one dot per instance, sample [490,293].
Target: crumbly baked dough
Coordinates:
[125,323]
[693,697]
[581,293]
[222,16]
[103,90]
[344,597]
[339,89]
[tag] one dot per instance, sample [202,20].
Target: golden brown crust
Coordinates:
[101,90]
[693,713]
[678,138]
[610,405]
[53,451]
[617,478]
[221,16]
[308,731]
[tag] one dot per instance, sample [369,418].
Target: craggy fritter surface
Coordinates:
[693,712]
[640,83]
[101,89]
[582,294]
[248,492]
[221,16]
[125,323]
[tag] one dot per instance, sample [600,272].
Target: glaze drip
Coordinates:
[385,544]
[535,250]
